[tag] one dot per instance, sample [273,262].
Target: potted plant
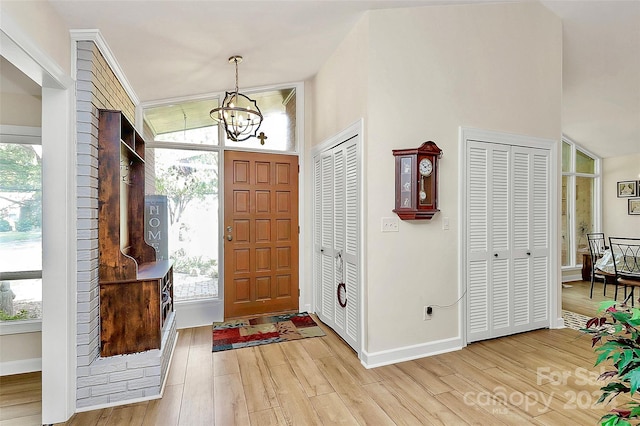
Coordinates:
[616,340]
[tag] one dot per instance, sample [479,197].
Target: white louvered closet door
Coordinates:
[336,239]
[507,244]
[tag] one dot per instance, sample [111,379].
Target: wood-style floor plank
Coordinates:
[197,396]
[321,381]
[332,410]
[230,404]
[165,411]
[258,386]
[308,374]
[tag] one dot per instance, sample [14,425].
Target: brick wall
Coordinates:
[126,377]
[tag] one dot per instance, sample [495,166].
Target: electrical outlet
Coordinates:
[390,224]
[428,312]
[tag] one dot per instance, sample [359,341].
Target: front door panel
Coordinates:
[261,233]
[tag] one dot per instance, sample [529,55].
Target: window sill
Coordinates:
[19,327]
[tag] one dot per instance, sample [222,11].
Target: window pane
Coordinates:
[584,163]
[584,214]
[20,207]
[187,122]
[566,157]
[278,108]
[566,236]
[189,179]
[20,230]
[20,300]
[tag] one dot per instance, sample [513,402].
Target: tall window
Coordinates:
[20,231]
[580,201]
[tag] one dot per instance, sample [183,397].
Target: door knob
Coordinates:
[229,229]
[528,253]
[229,237]
[495,255]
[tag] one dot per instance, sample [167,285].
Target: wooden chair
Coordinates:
[626,255]
[597,246]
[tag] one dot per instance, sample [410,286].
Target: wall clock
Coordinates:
[417,181]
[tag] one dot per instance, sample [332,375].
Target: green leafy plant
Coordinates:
[616,341]
[20,315]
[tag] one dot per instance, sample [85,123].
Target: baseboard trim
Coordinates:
[408,353]
[20,366]
[573,277]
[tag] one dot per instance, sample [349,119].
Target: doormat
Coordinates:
[242,333]
[574,320]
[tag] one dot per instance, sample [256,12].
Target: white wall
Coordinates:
[615,220]
[20,110]
[40,21]
[429,71]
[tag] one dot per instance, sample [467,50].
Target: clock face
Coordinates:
[426,167]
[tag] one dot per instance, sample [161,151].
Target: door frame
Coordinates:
[355,129]
[467,134]
[58,183]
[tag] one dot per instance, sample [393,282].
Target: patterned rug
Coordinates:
[574,320]
[256,331]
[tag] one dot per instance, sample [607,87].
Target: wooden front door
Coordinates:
[260,233]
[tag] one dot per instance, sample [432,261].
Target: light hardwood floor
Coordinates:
[541,377]
[576,297]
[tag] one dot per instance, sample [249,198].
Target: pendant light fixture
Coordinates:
[238,114]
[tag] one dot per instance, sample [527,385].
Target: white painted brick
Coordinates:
[89,402]
[124,396]
[87,181]
[87,192]
[83,317]
[84,360]
[87,265]
[109,388]
[85,66]
[83,340]
[87,234]
[93,380]
[82,371]
[152,371]
[87,223]
[84,75]
[83,393]
[126,375]
[146,359]
[108,366]
[84,116]
[143,383]
[86,255]
[153,391]
[87,244]
[85,86]
[87,213]
[87,160]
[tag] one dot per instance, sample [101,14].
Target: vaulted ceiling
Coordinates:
[171,49]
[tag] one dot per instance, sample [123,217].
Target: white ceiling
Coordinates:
[170,49]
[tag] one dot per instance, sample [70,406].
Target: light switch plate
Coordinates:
[390,224]
[445,223]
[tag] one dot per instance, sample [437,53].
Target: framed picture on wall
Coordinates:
[627,188]
[634,206]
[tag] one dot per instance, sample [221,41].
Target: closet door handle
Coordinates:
[528,253]
[495,255]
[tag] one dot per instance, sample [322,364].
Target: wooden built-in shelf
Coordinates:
[136,291]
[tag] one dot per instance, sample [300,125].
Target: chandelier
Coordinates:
[239,114]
